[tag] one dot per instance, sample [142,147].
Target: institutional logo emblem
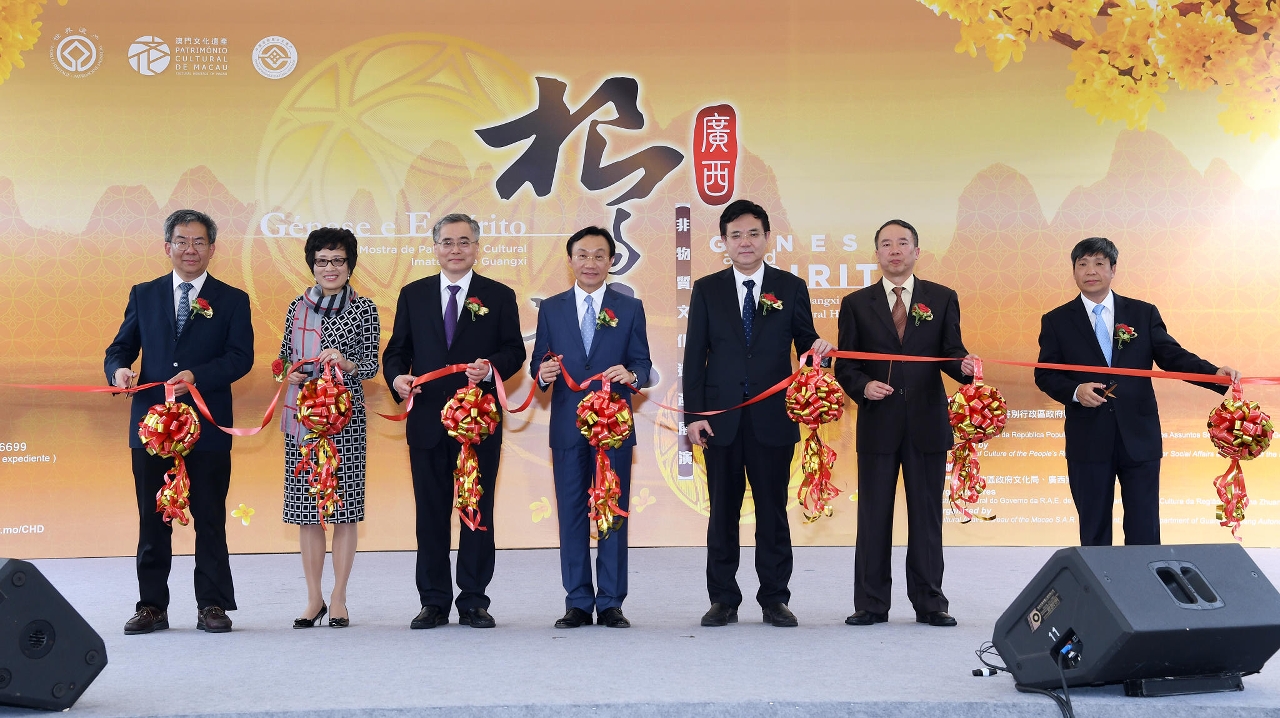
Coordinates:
[274,57]
[149,55]
[75,52]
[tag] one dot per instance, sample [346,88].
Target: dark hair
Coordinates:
[331,238]
[915,236]
[592,231]
[740,207]
[1095,245]
[187,216]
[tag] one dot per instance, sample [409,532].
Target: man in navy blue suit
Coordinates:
[595,329]
[189,327]
[1112,422]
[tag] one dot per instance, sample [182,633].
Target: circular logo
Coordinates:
[274,57]
[149,55]
[75,54]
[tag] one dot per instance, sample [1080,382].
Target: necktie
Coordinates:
[899,313]
[1100,331]
[184,305]
[451,315]
[588,325]
[748,309]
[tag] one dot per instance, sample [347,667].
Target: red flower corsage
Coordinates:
[768,303]
[606,318]
[476,307]
[920,312]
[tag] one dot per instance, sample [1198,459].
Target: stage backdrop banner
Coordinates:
[541,118]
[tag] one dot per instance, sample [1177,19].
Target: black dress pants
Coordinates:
[433,493]
[923,476]
[769,470]
[1093,489]
[210,473]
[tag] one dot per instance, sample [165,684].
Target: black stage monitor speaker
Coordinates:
[1129,613]
[48,653]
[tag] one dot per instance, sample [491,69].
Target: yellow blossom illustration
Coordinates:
[19,32]
[244,513]
[541,509]
[1125,52]
[638,503]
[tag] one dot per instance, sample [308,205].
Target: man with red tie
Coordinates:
[902,423]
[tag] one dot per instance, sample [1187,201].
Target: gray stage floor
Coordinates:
[665,665]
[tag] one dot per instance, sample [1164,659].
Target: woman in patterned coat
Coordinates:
[332,324]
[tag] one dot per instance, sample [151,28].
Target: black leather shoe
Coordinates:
[311,622]
[213,619]
[146,620]
[613,618]
[935,618]
[573,618]
[339,622]
[476,618]
[720,614]
[430,617]
[866,618]
[780,616]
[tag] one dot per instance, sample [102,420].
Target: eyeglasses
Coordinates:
[752,235]
[460,244]
[336,262]
[590,257]
[183,245]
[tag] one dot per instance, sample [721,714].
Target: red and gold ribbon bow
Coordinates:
[324,408]
[1240,430]
[169,430]
[605,419]
[470,417]
[978,413]
[815,398]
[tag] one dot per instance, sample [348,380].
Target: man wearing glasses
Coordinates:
[190,328]
[454,317]
[743,321]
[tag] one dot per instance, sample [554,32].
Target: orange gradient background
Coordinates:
[849,114]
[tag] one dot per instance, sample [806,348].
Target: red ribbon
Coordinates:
[1240,431]
[324,408]
[978,412]
[470,416]
[169,430]
[815,398]
[605,419]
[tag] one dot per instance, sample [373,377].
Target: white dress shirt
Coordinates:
[1108,315]
[1108,312]
[758,275]
[196,283]
[464,282]
[580,298]
[907,288]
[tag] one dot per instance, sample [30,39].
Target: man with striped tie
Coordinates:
[189,327]
[1112,423]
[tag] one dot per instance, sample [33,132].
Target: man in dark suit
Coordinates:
[454,317]
[902,423]
[743,321]
[1112,422]
[595,330]
[179,343]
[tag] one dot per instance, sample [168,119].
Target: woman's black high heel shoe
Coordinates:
[311,622]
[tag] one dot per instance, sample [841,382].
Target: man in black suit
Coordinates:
[210,349]
[1112,422]
[902,423]
[454,317]
[743,321]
